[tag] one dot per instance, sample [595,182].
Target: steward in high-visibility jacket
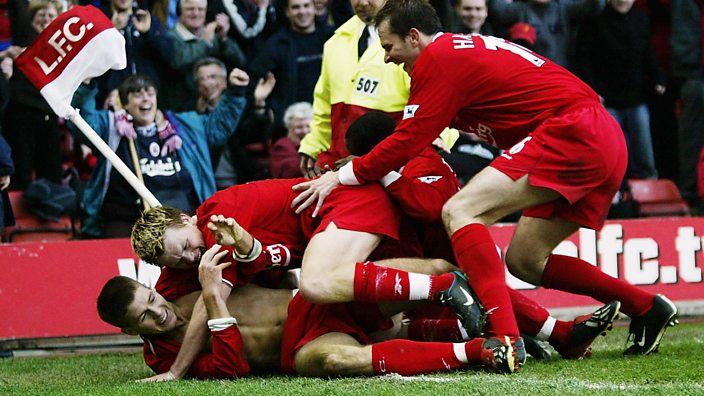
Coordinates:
[350,86]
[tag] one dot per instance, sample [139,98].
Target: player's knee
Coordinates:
[439,266]
[448,210]
[314,290]
[521,266]
[457,212]
[341,361]
[449,213]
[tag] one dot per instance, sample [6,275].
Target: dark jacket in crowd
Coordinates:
[617,59]
[148,53]
[281,55]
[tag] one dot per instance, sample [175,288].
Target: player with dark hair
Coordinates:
[564,161]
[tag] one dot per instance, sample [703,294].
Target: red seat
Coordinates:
[31,228]
[658,198]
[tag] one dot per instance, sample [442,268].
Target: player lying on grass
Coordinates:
[334,247]
[250,332]
[421,187]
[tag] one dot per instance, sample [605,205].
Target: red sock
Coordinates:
[530,315]
[477,257]
[448,330]
[561,333]
[576,276]
[474,349]
[374,283]
[412,357]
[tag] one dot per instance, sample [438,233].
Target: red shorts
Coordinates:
[364,208]
[307,321]
[581,154]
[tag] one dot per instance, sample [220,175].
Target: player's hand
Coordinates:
[308,167]
[210,269]
[167,376]
[343,161]
[314,190]
[226,230]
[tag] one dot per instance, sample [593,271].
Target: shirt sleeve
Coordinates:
[423,188]
[227,358]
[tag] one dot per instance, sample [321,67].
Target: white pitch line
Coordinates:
[571,383]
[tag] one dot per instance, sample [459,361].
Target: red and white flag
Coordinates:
[81,43]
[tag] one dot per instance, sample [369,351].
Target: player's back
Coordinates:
[262,207]
[499,90]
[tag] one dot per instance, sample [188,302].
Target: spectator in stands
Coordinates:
[166,11]
[688,64]
[294,55]
[284,152]
[664,109]
[194,39]
[470,17]
[333,12]
[173,148]
[149,49]
[30,126]
[210,77]
[617,60]
[555,22]
[323,16]
[251,20]
[43,13]
[249,147]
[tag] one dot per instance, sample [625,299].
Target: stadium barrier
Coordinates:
[48,290]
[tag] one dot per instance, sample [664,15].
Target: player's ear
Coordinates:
[185,218]
[414,35]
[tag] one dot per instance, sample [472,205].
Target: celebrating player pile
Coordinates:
[565,159]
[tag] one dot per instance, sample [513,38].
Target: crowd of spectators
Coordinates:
[644,58]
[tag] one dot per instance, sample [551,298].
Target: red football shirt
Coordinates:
[483,85]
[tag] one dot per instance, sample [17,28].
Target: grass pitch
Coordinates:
[675,370]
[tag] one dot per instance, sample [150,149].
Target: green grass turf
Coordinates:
[675,370]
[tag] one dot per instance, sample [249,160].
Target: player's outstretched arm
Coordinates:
[314,190]
[227,232]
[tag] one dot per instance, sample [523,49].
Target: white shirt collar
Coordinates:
[438,34]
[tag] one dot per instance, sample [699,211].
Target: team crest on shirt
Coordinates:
[410,111]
